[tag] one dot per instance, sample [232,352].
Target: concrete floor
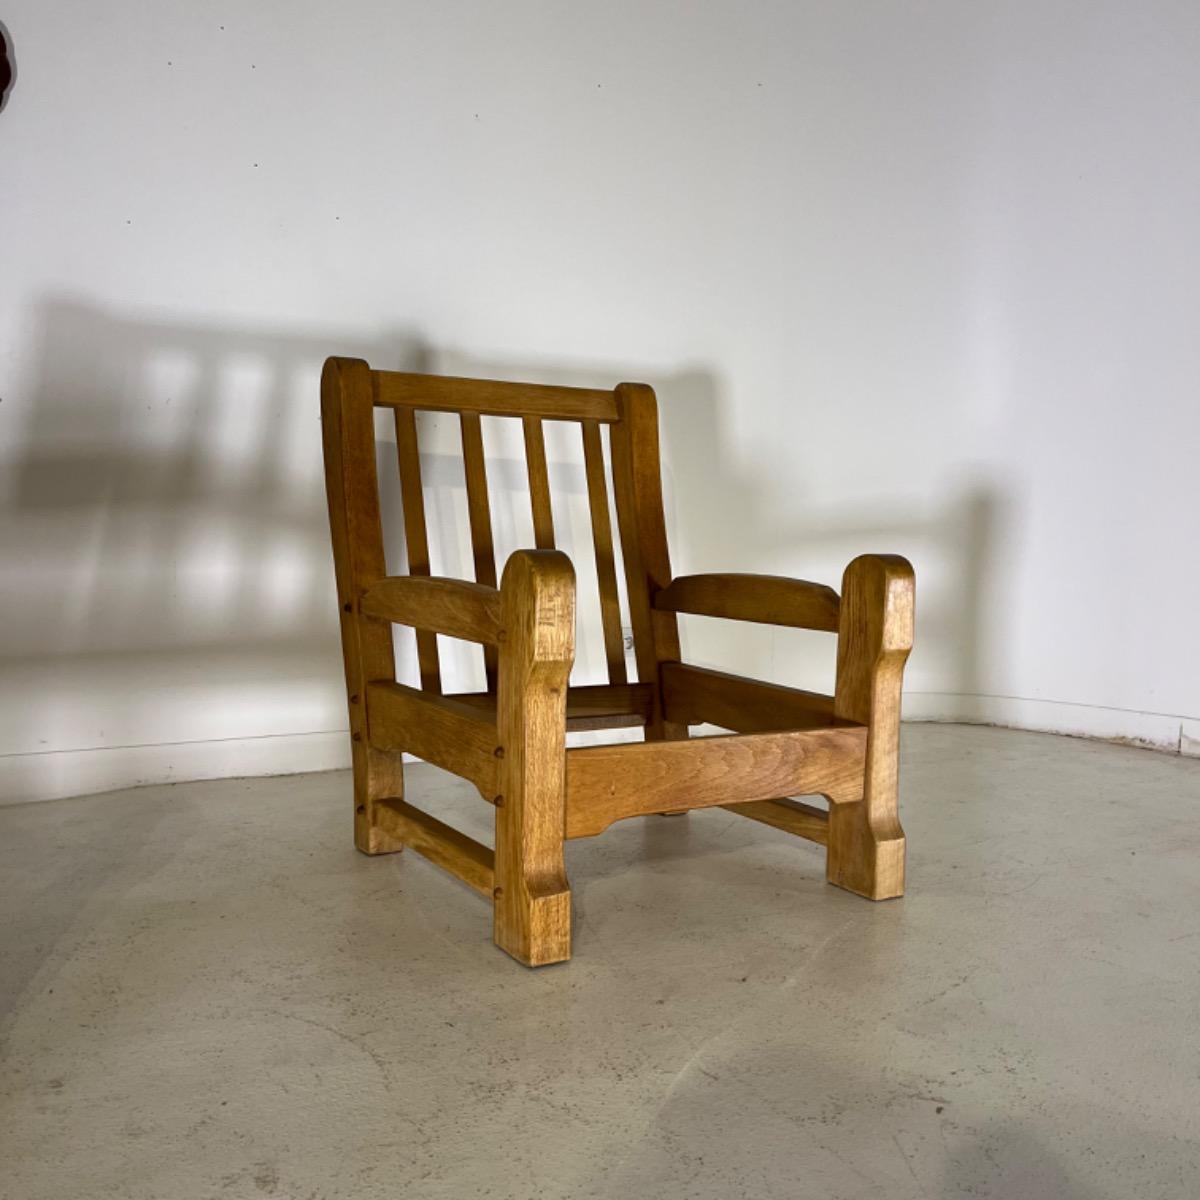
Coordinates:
[206,993]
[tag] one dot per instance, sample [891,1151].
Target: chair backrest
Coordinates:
[629,411]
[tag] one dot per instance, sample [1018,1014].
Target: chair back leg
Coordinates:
[348,435]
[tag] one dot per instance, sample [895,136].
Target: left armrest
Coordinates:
[768,599]
[453,607]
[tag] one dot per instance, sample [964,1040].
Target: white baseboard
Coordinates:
[1189,737]
[1156,731]
[53,775]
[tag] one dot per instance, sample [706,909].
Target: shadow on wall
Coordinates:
[172,579]
[166,522]
[728,516]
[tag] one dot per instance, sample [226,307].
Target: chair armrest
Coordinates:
[878,592]
[454,607]
[537,593]
[768,599]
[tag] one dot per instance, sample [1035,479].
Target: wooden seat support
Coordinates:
[510,740]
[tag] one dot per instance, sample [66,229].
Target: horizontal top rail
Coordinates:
[445,393]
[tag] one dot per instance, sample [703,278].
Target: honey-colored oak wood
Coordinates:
[637,485]
[533,900]
[702,696]
[452,607]
[469,860]
[416,537]
[356,531]
[606,571]
[490,397]
[539,483]
[510,740]
[866,842]
[594,706]
[479,514]
[768,599]
[456,737]
[792,816]
[608,783]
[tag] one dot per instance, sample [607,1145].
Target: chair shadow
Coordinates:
[170,577]
[165,511]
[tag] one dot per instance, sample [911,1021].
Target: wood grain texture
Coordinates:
[510,740]
[445,393]
[452,607]
[463,857]
[453,736]
[590,706]
[356,534]
[700,695]
[539,483]
[479,515]
[767,599]
[416,538]
[608,783]
[866,842]
[792,816]
[532,912]
[602,542]
[637,488]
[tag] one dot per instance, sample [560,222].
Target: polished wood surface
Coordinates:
[454,736]
[452,607]
[792,816]
[609,783]
[469,860]
[416,537]
[602,541]
[532,911]
[702,696]
[479,516]
[866,842]
[637,484]
[490,397]
[768,599]
[590,706]
[510,740]
[356,532]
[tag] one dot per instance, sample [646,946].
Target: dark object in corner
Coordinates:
[7,70]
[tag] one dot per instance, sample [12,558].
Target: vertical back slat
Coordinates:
[606,571]
[539,483]
[479,513]
[417,539]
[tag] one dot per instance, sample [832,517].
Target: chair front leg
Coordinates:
[866,842]
[532,897]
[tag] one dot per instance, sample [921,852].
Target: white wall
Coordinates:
[908,277]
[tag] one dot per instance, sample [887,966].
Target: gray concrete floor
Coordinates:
[206,993]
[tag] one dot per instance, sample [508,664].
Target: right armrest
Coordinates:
[769,599]
[454,607]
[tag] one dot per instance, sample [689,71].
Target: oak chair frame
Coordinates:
[510,741]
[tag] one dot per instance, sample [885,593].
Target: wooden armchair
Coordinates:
[510,741]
